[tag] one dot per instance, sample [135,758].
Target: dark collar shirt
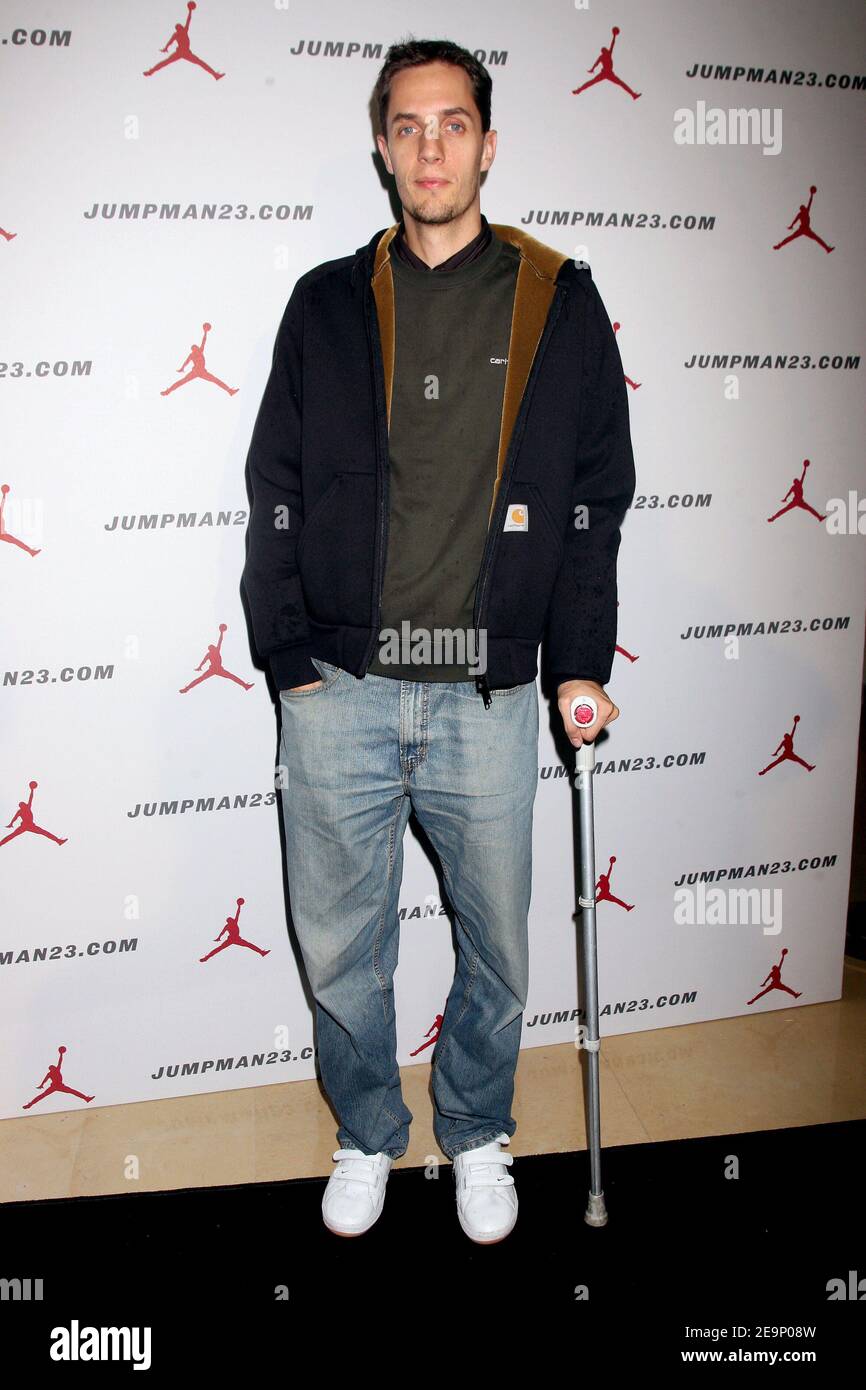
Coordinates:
[467,253]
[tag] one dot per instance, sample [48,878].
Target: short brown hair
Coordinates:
[412,53]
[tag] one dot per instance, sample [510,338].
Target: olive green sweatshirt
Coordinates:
[452,330]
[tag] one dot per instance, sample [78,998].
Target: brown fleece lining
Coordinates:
[536,279]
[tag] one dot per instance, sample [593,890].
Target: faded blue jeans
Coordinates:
[358,755]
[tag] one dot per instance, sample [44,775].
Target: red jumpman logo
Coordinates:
[602,889]
[607,73]
[795,492]
[7,235]
[633,384]
[788,754]
[805,225]
[54,1075]
[622,651]
[215,667]
[7,535]
[196,357]
[180,38]
[775,981]
[25,815]
[434,1030]
[233,937]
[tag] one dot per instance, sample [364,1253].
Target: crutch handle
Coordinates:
[584,710]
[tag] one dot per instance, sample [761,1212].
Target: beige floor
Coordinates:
[798,1066]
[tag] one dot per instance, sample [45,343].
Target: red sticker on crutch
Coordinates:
[584,710]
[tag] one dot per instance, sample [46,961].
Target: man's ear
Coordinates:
[383,150]
[489,151]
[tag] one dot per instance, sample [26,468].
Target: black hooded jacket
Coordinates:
[318,473]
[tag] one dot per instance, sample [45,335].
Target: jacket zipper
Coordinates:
[495,527]
[377,370]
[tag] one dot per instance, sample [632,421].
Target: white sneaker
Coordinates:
[486,1197]
[355,1193]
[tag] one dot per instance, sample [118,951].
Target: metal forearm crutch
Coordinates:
[584,711]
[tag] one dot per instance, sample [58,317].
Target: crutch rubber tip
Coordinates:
[596,1211]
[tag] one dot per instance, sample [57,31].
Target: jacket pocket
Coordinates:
[329,674]
[336,549]
[524,572]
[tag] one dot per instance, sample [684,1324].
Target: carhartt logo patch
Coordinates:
[517,517]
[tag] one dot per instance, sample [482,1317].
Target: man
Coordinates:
[439,470]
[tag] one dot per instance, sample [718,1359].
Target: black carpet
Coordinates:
[229,1277]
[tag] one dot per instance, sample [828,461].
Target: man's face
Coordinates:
[435,148]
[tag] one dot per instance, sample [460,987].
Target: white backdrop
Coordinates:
[132,213]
